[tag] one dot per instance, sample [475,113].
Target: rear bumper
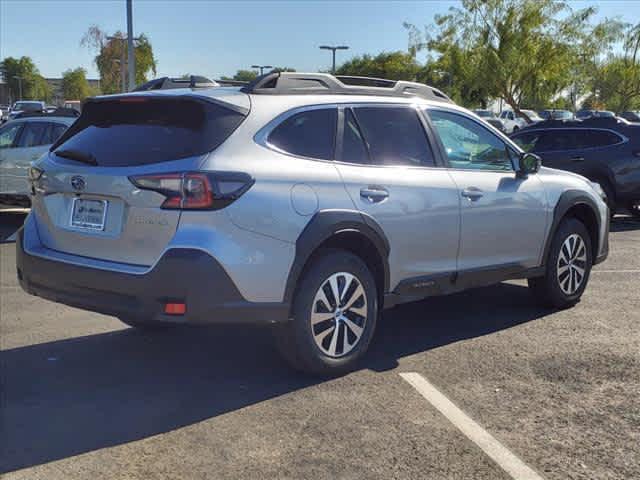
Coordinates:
[604,245]
[182,275]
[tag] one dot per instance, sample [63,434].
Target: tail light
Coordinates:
[196,190]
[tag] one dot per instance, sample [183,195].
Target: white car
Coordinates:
[514,122]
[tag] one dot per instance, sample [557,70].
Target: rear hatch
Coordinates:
[85,201]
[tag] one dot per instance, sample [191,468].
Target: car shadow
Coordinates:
[72,396]
[11,219]
[624,224]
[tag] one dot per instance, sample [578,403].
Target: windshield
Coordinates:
[27,106]
[139,131]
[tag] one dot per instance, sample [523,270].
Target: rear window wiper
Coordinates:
[77,156]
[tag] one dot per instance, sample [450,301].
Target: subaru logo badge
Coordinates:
[78,183]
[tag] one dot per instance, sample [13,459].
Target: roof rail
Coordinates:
[166,83]
[58,112]
[294,83]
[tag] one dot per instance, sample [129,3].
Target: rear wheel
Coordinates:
[334,316]
[568,266]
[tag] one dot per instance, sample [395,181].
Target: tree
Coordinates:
[75,85]
[243,76]
[523,51]
[110,52]
[617,79]
[390,65]
[34,85]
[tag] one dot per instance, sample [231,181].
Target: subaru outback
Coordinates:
[304,201]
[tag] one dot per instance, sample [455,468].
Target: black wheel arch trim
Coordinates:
[326,224]
[568,200]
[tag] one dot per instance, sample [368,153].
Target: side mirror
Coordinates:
[528,163]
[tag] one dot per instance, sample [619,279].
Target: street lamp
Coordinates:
[333,51]
[261,68]
[19,84]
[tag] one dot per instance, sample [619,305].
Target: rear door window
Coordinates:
[53,132]
[134,131]
[600,138]
[308,134]
[32,134]
[394,135]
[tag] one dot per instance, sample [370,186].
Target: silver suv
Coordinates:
[306,201]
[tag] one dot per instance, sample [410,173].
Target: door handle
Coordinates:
[472,193]
[577,159]
[374,194]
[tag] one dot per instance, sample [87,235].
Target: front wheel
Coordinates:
[568,266]
[334,316]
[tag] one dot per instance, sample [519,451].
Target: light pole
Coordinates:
[19,84]
[130,50]
[333,51]
[123,62]
[261,68]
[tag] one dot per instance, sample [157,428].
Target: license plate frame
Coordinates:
[95,222]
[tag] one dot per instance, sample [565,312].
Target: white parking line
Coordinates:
[615,271]
[474,432]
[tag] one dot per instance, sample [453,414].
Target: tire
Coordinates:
[555,289]
[145,324]
[315,347]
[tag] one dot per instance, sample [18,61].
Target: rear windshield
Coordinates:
[27,106]
[139,131]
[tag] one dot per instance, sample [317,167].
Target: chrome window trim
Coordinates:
[262,136]
[623,138]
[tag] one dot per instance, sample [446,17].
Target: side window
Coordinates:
[8,134]
[53,132]
[394,136]
[600,138]
[468,144]
[529,142]
[32,134]
[354,149]
[308,134]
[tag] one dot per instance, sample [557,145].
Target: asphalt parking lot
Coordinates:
[85,397]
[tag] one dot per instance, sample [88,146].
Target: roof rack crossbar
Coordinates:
[288,83]
[167,83]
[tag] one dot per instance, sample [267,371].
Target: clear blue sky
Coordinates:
[217,38]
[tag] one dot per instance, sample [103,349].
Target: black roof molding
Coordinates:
[167,83]
[294,83]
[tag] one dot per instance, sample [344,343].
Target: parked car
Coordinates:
[4,113]
[631,116]
[556,115]
[301,202]
[25,106]
[490,117]
[515,121]
[23,141]
[582,114]
[605,150]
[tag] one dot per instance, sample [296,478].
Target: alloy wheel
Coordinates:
[339,314]
[572,263]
